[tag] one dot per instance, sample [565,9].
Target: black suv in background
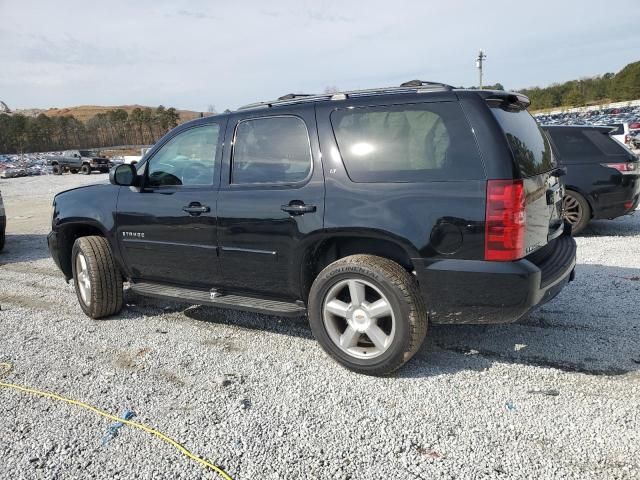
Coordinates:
[373,211]
[603,176]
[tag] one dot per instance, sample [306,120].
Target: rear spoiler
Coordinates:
[511,102]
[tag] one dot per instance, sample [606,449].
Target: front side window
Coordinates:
[271,150]
[188,159]
[407,143]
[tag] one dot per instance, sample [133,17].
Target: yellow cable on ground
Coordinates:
[6,368]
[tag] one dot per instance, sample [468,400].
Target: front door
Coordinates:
[271,201]
[167,227]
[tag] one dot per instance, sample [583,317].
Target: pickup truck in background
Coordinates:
[74,161]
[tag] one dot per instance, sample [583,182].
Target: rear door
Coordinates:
[271,200]
[537,166]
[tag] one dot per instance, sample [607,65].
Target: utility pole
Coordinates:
[479,60]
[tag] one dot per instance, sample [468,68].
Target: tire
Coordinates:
[73,170]
[576,211]
[104,295]
[404,328]
[57,169]
[85,169]
[2,237]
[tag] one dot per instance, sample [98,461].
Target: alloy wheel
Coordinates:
[359,318]
[571,210]
[83,279]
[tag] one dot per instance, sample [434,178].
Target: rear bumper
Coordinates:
[618,201]
[477,291]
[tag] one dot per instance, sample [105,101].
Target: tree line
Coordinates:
[143,126]
[610,87]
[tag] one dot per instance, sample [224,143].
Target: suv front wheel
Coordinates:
[367,313]
[96,277]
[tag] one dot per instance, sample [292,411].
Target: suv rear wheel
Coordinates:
[85,169]
[367,313]
[96,277]
[57,169]
[576,210]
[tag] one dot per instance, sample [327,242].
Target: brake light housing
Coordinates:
[626,168]
[505,220]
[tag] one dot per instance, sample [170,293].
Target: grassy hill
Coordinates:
[85,112]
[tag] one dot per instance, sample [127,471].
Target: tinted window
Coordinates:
[530,146]
[407,143]
[619,129]
[576,144]
[187,159]
[271,150]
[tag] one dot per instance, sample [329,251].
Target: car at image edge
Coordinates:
[374,211]
[603,176]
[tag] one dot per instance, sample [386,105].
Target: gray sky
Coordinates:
[190,54]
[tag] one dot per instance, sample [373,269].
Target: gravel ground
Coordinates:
[555,396]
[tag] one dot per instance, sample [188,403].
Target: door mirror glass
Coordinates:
[124,175]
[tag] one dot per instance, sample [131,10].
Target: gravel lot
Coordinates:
[256,395]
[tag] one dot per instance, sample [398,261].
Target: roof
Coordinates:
[413,86]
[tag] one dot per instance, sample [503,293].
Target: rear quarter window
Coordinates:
[407,143]
[530,146]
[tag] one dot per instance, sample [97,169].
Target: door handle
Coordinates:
[298,208]
[196,209]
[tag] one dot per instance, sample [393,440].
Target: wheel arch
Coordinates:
[339,244]
[68,233]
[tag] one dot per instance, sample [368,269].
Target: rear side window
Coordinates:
[407,143]
[271,150]
[584,145]
[529,145]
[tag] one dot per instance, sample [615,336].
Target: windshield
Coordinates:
[530,147]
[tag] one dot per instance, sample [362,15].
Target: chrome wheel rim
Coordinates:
[359,318]
[82,278]
[571,210]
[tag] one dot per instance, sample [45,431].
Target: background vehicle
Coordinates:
[74,161]
[620,132]
[408,216]
[603,177]
[3,223]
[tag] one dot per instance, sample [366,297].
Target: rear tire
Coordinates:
[96,277]
[85,169]
[57,169]
[368,314]
[576,211]
[2,237]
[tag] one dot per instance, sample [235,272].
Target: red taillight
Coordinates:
[627,168]
[504,220]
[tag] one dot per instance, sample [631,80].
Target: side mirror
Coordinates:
[123,175]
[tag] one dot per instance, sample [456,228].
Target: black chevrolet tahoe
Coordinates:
[375,212]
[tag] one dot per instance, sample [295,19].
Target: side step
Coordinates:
[235,302]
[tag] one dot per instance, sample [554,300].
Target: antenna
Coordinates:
[481,58]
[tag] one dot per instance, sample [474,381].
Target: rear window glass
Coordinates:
[530,146]
[407,143]
[619,129]
[575,144]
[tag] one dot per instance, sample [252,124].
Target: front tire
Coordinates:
[85,169]
[367,313]
[96,276]
[576,211]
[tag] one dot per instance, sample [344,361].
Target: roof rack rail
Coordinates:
[414,86]
[424,83]
[292,96]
